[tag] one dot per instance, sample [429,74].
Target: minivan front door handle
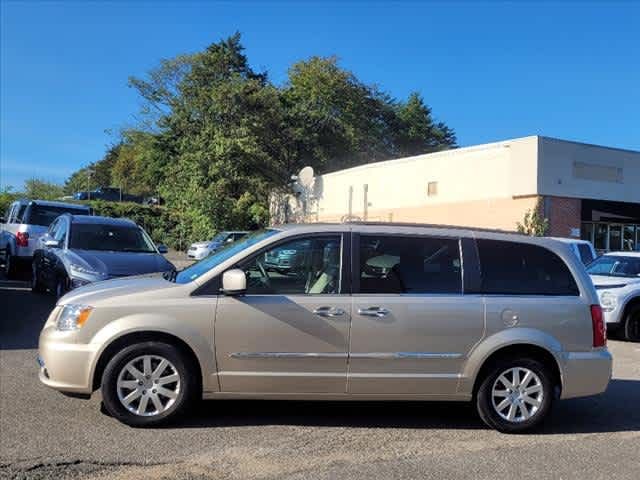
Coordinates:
[373,312]
[329,311]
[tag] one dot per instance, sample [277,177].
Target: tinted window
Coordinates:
[519,269]
[390,264]
[586,255]
[307,266]
[118,238]
[43,214]
[19,213]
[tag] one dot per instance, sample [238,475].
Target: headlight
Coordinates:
[72,317]
[609,301]
[79,269]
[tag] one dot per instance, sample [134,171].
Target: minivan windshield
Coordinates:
[115,238]
[615,266]
[227,251]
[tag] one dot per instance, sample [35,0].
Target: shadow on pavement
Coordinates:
[22,314]
[614,411]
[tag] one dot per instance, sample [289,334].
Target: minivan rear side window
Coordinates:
[404,264]
[512,268]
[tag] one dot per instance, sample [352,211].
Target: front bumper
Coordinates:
[65,365]
[586,373]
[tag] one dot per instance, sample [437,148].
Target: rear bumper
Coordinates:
[586,373]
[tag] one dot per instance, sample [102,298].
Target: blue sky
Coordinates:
[492,71]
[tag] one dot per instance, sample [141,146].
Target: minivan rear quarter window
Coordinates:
[399,264]
[512,268]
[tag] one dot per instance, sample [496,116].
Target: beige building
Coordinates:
[584,190]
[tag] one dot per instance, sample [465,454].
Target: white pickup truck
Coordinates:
[616,276]
[24,222]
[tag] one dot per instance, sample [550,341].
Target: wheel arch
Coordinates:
[510,343]
[138,336]
[631,303]
[528,350]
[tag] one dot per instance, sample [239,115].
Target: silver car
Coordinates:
[616,276]
[24,222]
[371,312]
[80,249]
[200,250]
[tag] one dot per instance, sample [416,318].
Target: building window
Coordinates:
[432,189]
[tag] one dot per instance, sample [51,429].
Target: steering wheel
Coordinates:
[263,272]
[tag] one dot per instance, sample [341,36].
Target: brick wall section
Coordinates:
[564,214]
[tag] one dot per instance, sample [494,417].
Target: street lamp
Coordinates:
[89,173]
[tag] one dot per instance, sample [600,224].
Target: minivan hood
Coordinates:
[120,264]
[108,290]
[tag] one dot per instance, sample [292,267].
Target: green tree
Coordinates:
[38,188]
[100,173]
[534,223]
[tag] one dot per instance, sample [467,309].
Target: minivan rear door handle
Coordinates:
[329,311]
[373,312]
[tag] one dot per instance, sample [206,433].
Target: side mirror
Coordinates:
[51,243]
[162,249]
[234,282]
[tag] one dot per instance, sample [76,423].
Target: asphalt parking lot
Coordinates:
[46,435]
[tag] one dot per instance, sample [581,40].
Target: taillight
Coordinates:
[22,239]
[599,327]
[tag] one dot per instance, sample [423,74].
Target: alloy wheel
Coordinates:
[517,394]
[148,385]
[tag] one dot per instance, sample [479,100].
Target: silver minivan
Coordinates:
[370,312]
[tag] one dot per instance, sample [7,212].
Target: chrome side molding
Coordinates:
[372,355]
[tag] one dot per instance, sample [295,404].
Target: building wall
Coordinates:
[500,213]
[468,175]
[564,216]
[577,170]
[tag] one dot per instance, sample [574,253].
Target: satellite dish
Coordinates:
[305,177]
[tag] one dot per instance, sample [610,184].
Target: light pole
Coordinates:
[89,173]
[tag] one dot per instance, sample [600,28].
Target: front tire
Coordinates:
[515,395]
[148,384]
[36,283]
[631,327]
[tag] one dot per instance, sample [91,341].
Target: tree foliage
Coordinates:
[534,223]
[42,189]
[215,136]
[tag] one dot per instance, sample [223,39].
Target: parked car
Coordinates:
[287,259]
[79,249]
[25,221]
[509,322]
[583,249]
[108,194]
[616,276]
[200,250]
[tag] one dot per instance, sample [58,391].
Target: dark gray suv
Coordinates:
[81,249]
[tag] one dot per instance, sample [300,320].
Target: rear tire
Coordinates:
[631,326]
[521,406]
[10,267]
[139,398]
